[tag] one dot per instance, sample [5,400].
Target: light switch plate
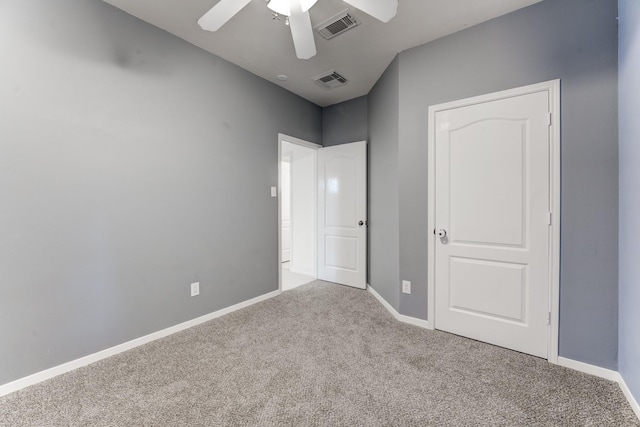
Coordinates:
[274,192]
[406,287]
[195,289]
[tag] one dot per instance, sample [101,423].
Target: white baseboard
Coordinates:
[95,357]
[627,393]
[92,358]
[401,317]
[603,373]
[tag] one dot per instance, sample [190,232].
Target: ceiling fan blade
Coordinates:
[382,10]
[219,14]
[301,31]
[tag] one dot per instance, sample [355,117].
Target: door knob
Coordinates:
[360,223]
[442,233]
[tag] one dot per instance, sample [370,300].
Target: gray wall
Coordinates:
[345,122]
[629,319]
[383,260]
[131,164]
[572,40]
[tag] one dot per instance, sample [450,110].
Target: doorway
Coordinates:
[494,214]
[322,224]
[297,211]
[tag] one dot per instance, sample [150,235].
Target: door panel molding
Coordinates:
[553,90]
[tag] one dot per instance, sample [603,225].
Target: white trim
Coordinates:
[554,202]
[553,87]
[607,374]
[401,317]
[112,351]
[297,141]
[627,393]
[431,218]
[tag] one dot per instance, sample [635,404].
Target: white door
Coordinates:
[342,209]
[492,222]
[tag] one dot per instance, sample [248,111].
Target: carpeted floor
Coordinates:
[318,355]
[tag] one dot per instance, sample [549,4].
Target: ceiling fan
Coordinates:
[298,13]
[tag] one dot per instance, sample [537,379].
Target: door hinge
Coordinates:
[549,218]
[549,115]
[548,318]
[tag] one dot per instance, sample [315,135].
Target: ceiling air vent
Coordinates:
[329,80]
[337,24]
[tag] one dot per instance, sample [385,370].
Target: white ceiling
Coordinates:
[255,42]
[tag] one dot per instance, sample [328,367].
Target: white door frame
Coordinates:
[553,87]
[297,141]
[281,199]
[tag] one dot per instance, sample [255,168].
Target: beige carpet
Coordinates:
[319,355]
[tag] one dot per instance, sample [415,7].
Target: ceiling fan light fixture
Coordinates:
[280,7]
[299,21]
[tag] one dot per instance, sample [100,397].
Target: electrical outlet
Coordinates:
[195,289]
[406,287]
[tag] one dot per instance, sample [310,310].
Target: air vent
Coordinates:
[330,80]
[337,24]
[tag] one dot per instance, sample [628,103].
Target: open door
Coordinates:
[342,214]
